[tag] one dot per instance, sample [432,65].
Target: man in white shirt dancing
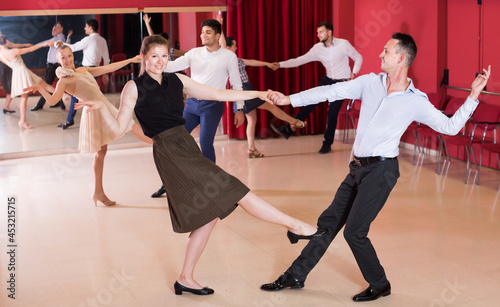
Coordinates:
[334,54]
[389,103]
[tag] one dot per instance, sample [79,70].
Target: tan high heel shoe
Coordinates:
[254,154]
[298,125]
[24,125]
[105,202]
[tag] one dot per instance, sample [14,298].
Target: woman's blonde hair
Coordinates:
[148,43]
[61,47]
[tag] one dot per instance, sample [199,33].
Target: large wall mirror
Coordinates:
[123,32]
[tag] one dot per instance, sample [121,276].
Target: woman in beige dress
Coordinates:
[94,134]
[22,77]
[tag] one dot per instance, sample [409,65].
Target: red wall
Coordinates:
[375,21]
[189,28]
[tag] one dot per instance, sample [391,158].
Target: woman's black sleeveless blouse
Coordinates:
[159,106]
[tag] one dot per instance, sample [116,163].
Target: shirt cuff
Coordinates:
[240,105]
[470,100]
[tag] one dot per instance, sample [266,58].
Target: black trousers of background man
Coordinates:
[357,202]
[50,76]
[333,112]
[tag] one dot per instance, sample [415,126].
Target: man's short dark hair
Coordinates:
[93,24]
[164,35]
[229,41]
[406,45]
[328,25]
[214,24]
[60,23]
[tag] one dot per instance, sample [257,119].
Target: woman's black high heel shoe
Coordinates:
[180,288]
[294,238]
[5,111]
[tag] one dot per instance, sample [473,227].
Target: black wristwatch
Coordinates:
[241,110]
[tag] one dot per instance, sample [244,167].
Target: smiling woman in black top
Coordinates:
[199,193]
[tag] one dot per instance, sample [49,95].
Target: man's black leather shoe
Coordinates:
[36,108]
[371,294]
[284,281]
[159,193]
[283,131]
[325,149]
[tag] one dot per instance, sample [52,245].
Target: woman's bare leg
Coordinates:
[251,123]
[137,131]
[262,210]
[194,248]
[278,113]
[98,175]
[8,100]
[22,111]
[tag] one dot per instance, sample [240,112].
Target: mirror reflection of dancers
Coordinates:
[199,193]
[94,134]
[22,77]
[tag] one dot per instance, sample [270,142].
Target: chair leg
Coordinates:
[415,145]
[438,158]
[467,170]
[446,159]
[478,166]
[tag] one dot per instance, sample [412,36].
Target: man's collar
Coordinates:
[333,41]
[411,86]
[208,51]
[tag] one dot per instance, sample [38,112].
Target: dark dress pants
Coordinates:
[333,113]
[207,114]
[357,202]
[72,111]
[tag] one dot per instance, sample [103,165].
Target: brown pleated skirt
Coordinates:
[198,191]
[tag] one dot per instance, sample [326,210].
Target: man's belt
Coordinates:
[370,160]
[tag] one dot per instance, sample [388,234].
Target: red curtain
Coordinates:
[273,31]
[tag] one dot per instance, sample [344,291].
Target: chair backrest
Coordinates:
[453,105]
[435,99]
[486,113]
[117,57]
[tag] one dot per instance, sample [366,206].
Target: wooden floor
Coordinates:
[437,238]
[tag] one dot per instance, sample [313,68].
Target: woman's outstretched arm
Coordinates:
[101,70]
[58,92]
[200,91]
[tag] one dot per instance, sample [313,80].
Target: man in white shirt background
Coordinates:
[334,54]
[389,104]
[210,65]
[94,49]
[50,72]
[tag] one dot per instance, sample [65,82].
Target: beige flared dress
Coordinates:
[94,133]
[22,77]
